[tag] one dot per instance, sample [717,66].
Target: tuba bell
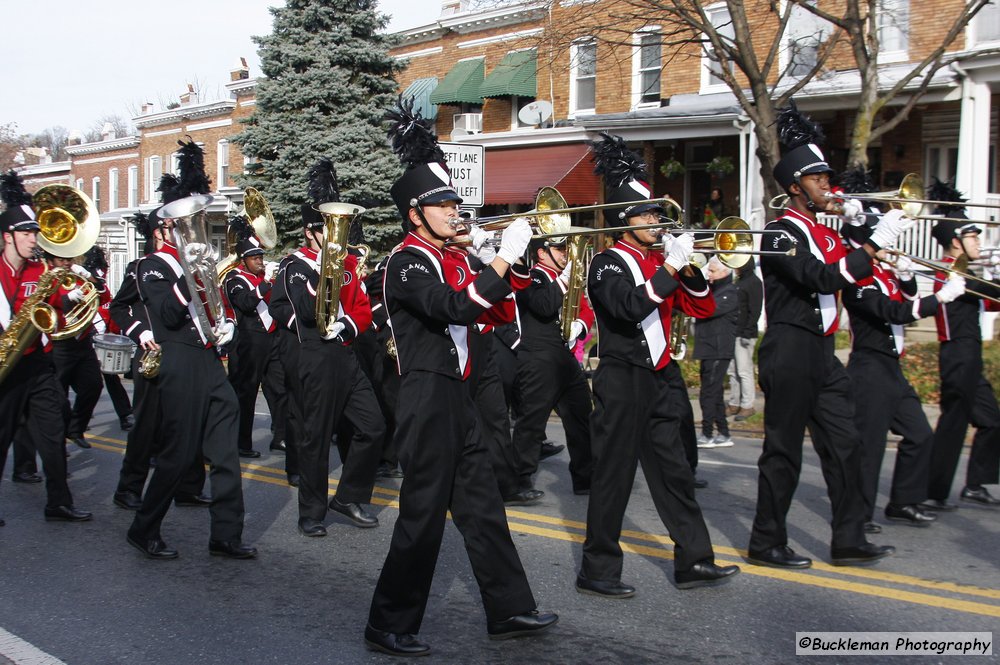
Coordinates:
[337,218]
[258,215]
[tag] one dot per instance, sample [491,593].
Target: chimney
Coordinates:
[146,109]
[75,137]
[189,97]
[240,72]
[449,7]
[107,132]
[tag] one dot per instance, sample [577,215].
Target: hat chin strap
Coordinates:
[430,229]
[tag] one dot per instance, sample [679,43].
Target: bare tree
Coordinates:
[119,125]
[10,145]
[53,138]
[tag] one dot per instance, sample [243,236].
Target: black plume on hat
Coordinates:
[323,188]
[945,191]
[801,138]
[616,162]
[12,191]
[94,260]
[170,187]
[191,164]
[411,136]
[18,214]
[241,228]
[797,129]
[857,180]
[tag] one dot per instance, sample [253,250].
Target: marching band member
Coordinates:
[632,288]
[883,399]
[801,294]
[445,463]
[966,396]
[31,390]
[199,410]
[333,384]
[548,374]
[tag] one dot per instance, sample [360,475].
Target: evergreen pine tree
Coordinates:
[328,82]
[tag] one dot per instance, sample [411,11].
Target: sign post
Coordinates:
[467,164]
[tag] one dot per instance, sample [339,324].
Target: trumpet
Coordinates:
[958,268]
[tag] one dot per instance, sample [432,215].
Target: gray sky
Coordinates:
[69,63]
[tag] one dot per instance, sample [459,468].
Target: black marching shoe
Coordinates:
[549,449]
[528,497]
[529,623]
[606,589]
[872,527]
[704,573]
[780,556]
[312,528]
[66,514]
[387,470]
[249,454]
[354,512]
[79,441]
[26,477]
[395,644]
[232,549]
[293,479]
[153,549]
[193,500]
[909,514]
[126,423]
[128,500]
[862,555]
[937,505]
[700,484]
[278,447]
[979,495]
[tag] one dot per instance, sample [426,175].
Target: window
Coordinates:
[79,184]
[803,36]
[175,164]
[893,29]
[112,189]
[222,153]
[154,170]
[986,24]
[583,77]
[711,72]
[95,192]
[133,186]
[646,62]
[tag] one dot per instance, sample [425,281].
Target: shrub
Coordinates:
[920,366]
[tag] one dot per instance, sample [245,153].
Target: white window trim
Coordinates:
[79,184]
[972,37]
[637,71]
[221,147]
[132,200]
[574,47]
[898,55]
[783,53]
[707,87]
[153,196]
[113,189]
[95,191]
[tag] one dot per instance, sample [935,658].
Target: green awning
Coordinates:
[513,77]
[420,92]
[461,85]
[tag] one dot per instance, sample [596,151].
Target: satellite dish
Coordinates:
[535,113]
[458,131]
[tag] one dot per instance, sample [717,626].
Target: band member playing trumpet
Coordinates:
[966,396]
[801,299]
[30,389]
[445,462]
[632,288]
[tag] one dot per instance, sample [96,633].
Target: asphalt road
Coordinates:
[80,594]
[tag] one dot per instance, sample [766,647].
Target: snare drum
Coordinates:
[114,352]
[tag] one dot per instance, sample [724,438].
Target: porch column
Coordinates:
[973,143]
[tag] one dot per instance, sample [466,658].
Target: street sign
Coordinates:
[467,164]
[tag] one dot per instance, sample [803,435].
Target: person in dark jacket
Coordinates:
[715,337]
[742,384]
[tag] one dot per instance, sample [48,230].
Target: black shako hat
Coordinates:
[801,138]
[426,179]
[625,178]
[247,243]
[19,215]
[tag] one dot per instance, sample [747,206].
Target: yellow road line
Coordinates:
[275,476]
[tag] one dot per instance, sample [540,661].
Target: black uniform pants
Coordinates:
[247,364]
[549,379]
[77,368]
[966,397]
[31,391]
[494,419]
[635,421]
[200,414]
[385,381]
[287,351]
[446,467]
[883,401]
[118,395]
[684,412]
[333,386]
[806,386]
[145,440]
[713,407]
[273,387]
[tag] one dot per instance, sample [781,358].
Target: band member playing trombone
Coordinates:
[29,388]
[632,289]
[813,389]
[966,396]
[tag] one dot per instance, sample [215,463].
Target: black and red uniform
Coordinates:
[635,418]
[549,376]
[804,383]
[879,307]
[966,396]
[77,367]
[445,462]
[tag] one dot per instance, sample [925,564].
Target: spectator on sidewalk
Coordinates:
[742,382]
[715,337]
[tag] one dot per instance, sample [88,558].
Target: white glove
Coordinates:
[854,212]
[486,254]
[194,251]
[76,295]
[576,331]
[224,333]
[479,237]
[566,272]
[271,270]
[952,289]
[680,252]
[334,331]
[668,242]
[903,268]
[145,337]
[514,240]
[890,227]
[81,271]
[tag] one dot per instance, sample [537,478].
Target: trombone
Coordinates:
[958,268]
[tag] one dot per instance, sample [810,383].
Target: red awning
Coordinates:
[515,175]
